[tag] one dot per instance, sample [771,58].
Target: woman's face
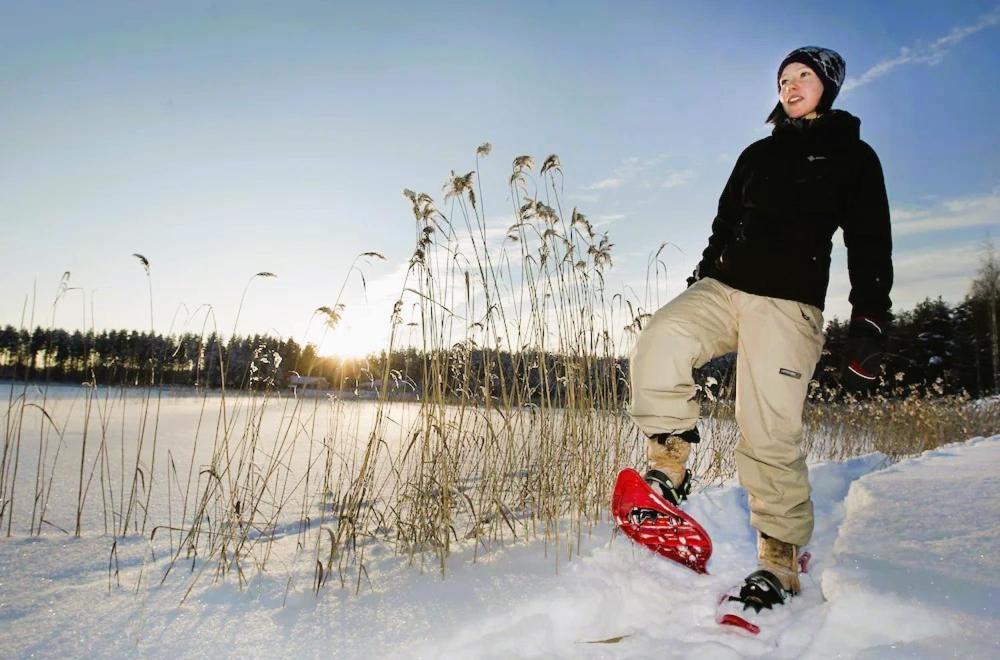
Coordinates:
[800,91]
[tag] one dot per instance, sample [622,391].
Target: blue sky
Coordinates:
[225,138]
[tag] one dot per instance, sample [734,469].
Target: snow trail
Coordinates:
[664,609]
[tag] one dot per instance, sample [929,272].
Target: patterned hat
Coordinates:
[826,63]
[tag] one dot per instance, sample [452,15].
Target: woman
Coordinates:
[759,290]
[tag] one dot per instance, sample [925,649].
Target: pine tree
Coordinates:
[985,291]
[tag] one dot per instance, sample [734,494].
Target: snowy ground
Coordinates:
[905,567]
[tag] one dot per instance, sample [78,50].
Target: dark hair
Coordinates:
[777,116]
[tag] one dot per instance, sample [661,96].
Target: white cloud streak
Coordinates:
[917,274]
[605,184]
[951,214]
[945,272]
[931,54]
[678,178]
[646,172]
[604,220]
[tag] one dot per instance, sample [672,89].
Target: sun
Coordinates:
[351,341]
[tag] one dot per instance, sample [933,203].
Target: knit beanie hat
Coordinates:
[825,63]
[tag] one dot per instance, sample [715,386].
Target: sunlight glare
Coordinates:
[348,340]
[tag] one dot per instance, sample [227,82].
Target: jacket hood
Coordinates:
[835,127]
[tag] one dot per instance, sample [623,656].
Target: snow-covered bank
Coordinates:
[916,571]
[898,576]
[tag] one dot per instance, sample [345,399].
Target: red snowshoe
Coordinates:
[649,519]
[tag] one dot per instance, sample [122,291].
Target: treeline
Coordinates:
[139,358]
[947,348]
[935,345]
[259,361]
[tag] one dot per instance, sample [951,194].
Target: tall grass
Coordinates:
[484,459]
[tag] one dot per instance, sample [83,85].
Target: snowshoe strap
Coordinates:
[662,484]
[761,590]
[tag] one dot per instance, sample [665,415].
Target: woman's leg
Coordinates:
[780,342]
[684,334]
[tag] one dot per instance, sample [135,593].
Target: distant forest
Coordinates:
[954,347]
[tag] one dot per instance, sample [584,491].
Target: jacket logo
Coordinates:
[812,158]
[789,373]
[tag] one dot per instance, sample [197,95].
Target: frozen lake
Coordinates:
[147,455]
[178,437]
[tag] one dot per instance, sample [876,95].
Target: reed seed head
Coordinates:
[523,163]
[143,260]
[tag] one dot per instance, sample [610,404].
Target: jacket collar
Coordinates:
[832,128]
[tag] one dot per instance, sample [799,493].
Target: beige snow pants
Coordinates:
[778,343]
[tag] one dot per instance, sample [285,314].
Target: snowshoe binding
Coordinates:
[659,482]
[742,606]
[760,601]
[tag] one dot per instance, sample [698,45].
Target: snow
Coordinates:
[919,541]
[904,566]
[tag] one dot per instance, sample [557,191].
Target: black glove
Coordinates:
[865,345]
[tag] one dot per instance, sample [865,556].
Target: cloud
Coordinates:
[646,172]
[930,55]
[605,184]
[677,178]
[915,266]
[607,219]
[951,214]
[945,272]
[917,274]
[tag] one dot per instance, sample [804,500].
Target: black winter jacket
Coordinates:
[786,197]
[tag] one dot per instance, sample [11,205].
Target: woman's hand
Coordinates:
[865,345]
